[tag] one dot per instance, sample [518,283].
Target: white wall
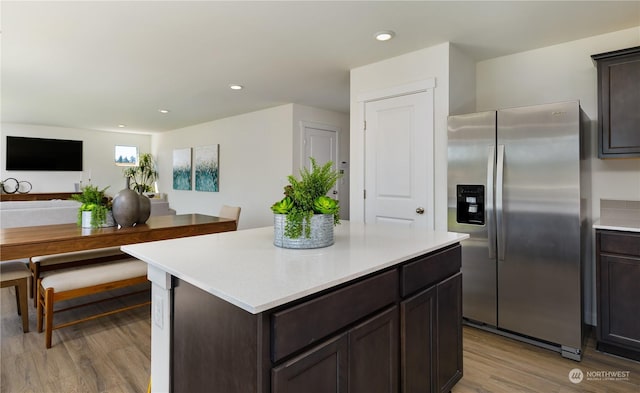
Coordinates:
[338,120]
[560,73]
[255,159]
[423,64]
[98,157]
[462,82]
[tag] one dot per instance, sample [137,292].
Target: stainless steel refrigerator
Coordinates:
[518,183]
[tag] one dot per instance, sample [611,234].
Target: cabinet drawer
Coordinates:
[304,324]
[624,243]
[427,270]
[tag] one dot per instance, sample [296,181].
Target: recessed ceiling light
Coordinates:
[163,111]
[385,35]
[236,87]
[122,125]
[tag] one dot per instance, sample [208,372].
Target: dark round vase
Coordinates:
[144,209]
[126,207]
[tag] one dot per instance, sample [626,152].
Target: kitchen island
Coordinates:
[380,310]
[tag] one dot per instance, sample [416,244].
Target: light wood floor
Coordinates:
[497,364]
[112,354]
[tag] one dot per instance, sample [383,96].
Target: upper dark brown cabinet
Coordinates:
[618,103]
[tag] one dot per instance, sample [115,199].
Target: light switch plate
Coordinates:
[158,311]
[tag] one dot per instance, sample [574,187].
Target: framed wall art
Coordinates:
[182,169]
[207,171]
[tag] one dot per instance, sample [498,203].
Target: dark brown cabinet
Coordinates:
[397,330]
[373,354]
[432,338]
[323,369]
[362,360]
[618,103]
[617,278]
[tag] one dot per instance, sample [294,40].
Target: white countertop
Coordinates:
[247,270]
[618,224]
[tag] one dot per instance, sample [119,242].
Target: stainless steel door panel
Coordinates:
[471,141]
[539,291]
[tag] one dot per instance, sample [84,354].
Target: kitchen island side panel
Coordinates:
[216,346]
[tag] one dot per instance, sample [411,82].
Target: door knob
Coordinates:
[420,210]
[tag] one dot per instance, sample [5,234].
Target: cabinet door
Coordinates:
[618,300]
[417,316]
[618,102]
[373,354]
[322,369]
[449,333]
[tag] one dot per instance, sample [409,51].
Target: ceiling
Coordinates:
[95,65]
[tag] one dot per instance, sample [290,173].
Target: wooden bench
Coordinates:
[45,263]
[15,274]
[82,281]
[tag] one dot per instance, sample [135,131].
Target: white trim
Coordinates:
[161,307]
[401,90]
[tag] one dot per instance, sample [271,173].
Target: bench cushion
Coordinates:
[54,259]
[82,277]
[10,271]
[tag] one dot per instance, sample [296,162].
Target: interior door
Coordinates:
[321,143]
[399,160]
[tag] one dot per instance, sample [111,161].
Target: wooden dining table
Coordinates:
[26,242]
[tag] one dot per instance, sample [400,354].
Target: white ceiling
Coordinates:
[94,65]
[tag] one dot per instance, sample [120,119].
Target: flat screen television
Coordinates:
[41,154]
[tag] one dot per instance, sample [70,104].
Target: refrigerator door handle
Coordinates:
[490,214]
[499,204]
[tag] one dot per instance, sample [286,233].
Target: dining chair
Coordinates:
[232,212]
[16,274]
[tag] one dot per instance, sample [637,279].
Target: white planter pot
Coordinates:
[86,220]
[321,232]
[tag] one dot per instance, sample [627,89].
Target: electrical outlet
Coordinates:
[157,311]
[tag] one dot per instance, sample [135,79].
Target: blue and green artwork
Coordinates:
[207,171]
[182,169]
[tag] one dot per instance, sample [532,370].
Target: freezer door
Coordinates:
[538,222]
[471,162]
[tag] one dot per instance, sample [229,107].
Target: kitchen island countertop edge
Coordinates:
[245,269]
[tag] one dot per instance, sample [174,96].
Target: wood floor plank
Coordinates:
[497,364]
[112,355]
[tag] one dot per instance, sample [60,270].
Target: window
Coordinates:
[126,155]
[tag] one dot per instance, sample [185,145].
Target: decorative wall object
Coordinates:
[182,169]
[126,155]
[206,168]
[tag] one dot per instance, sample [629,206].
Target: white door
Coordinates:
[399,160]
[321,143]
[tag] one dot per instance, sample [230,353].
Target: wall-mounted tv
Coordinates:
[41,154]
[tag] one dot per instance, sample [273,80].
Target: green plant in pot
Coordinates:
[142,176]
[306,197]
[95,201]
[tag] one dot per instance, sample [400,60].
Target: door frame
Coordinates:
[362,99]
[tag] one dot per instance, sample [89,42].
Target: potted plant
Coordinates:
[95,208]
[142,176]
[305,217]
